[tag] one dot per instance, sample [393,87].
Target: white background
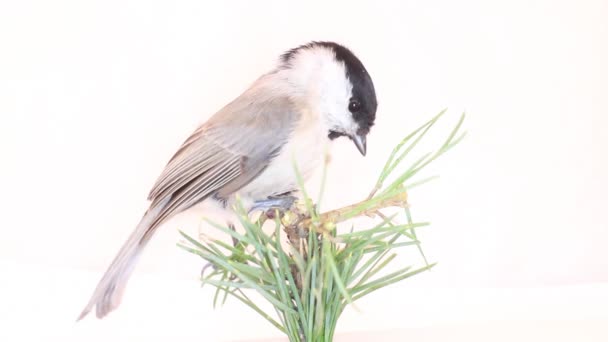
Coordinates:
[96,96]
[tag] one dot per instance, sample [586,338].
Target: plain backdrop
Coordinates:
[95,96]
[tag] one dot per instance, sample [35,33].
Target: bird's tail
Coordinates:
[110,288]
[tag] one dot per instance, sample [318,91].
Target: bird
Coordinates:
[315,93]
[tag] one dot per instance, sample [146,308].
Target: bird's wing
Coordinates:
[220,157]
[226,153]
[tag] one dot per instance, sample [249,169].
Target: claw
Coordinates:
[207,265]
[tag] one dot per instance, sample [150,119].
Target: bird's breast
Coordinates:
[305,150]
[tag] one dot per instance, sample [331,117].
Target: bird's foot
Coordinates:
[282,204]
[269,206]
[208,265]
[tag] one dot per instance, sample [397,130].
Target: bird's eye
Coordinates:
[354,106]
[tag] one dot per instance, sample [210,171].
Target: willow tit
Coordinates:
[316,93]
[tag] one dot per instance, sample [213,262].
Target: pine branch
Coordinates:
[311,281]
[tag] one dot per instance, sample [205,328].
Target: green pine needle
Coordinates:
[305,268]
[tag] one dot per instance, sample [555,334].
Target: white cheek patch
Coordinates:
[336,92]
[332,91]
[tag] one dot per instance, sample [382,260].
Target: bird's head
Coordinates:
[335,84]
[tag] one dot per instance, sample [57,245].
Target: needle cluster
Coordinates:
[306,267]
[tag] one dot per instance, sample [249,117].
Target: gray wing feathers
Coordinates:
[226,153]
[201,159]
[220,157]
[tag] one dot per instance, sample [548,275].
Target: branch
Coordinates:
[298,221]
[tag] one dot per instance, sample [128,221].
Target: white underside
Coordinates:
[305,150]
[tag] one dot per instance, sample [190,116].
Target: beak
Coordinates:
[361,143]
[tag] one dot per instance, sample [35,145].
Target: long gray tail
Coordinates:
[110,288]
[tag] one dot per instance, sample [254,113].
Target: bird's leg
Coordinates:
[234,240]
[234,243]
[280,203]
